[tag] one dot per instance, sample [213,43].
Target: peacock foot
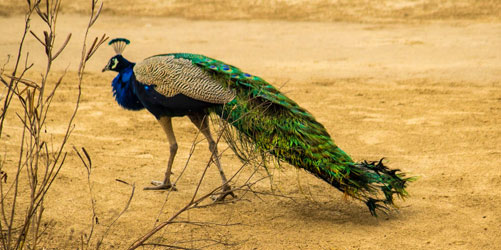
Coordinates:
[226,191]
[158,185]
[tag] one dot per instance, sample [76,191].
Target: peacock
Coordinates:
[184,84]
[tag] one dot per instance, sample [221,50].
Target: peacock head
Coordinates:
[118,62]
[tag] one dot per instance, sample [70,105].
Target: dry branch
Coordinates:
[22,225]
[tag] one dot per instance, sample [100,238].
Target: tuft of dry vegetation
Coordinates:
[40,157]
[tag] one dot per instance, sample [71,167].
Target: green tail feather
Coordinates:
[277,125]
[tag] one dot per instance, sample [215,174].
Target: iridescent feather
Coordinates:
[280,127]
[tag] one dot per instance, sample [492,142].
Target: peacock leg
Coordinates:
[202,123]
[166,123]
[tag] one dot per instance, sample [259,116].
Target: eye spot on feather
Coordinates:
[247,75]
[146,87]
[213,67]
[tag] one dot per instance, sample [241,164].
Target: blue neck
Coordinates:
[123,89]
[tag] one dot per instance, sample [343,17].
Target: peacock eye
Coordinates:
[114,62]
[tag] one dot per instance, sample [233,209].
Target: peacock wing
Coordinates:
[172,76]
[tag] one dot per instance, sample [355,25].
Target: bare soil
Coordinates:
[425,93]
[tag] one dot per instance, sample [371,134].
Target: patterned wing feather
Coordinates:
[172,76]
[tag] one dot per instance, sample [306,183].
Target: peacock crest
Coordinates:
[119,44]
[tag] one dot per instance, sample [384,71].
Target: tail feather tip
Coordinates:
[389,181]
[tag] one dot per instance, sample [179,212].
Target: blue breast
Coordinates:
[123,90]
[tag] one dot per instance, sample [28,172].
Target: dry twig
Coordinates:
[22,224]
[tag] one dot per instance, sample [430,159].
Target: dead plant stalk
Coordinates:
[21,223]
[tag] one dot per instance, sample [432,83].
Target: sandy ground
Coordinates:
[425,95]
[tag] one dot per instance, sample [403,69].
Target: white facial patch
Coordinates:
[115,63]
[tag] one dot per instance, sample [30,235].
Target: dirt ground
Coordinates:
[425,93]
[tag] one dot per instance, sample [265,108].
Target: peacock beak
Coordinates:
[107,67]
